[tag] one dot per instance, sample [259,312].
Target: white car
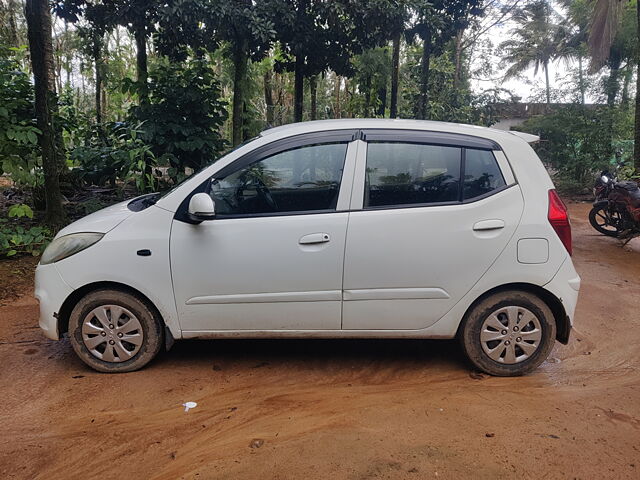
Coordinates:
[339,228]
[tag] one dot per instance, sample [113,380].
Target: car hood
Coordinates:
[101,221]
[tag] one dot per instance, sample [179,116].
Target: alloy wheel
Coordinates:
[112,333]
[511,335]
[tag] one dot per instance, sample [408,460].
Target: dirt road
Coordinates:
[336,409]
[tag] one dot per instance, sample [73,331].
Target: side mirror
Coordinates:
[201,207]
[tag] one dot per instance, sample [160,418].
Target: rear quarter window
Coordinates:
[482,174]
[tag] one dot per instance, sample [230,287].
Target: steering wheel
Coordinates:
[265,194]
[261,189]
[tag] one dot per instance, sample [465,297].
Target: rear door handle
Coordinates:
[494,224]
[314,238]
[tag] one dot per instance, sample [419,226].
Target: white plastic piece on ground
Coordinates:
[189,405]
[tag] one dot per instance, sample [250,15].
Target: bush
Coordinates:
[17,238]
[19,150]
[117,152]
[182,119]
[577,142]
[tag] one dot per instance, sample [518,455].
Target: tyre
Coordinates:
[114,331]
[508,334]
[605,222]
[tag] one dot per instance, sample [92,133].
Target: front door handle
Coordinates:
[483,225]
[314,238]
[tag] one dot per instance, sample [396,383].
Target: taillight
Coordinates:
[559,219]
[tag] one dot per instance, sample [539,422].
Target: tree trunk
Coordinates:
[57,63]
[458,59]
[336,97]
[104,100]
[97,56]
[382,96]
[268,97]
[313,87]
[395,76]
[613,81]
[14,41]
[423,101]
[69,57]
[41,50]
[367,97]
[547,84]
[636,150]
[240,59]
[141,61]
[628,74]
[612,93]
[298,102]
[581,80]
[82,91]
[281,99]
[348,96]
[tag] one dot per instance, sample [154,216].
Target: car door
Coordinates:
[272,259]
[430,214]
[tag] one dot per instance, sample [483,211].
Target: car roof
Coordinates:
[500,137]
[386,123]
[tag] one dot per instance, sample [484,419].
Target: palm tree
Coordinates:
[605,26]
[533,41]
[572,38]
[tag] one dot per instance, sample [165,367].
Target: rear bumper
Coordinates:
[51,291]
[565,285]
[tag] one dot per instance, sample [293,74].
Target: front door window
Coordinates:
[298,180]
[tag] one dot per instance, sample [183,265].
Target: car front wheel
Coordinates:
[114,331]
[508,334]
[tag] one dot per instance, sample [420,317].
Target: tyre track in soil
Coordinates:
[336,408]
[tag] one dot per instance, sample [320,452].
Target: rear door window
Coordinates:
[411,174]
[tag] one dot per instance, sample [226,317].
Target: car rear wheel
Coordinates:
[114,331]
[508,334]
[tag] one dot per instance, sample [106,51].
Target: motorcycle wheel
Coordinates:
[604,222]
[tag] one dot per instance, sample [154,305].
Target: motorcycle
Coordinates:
[602,216]
[616,210]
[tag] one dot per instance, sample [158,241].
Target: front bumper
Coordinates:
[51,291]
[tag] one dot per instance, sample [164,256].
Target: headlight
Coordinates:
[68,245]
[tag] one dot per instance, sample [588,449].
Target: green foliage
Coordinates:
[575,142]
[326,35]
[19,150]
[534,41]
[260,58]
[207,24]
[373,71]
[17,238]
[628,172]
[437,21]
[20,210]
[180,122]
[117,153]
[446,103]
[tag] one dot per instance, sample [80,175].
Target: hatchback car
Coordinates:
[339,228]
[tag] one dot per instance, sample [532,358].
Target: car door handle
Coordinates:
[314,238]
[494,224]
